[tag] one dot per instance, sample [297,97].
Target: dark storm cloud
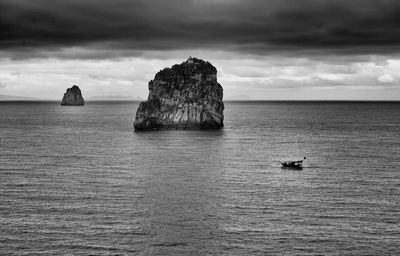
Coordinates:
[257,26]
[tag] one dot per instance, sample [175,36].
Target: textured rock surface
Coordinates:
[73,97]
[186,96]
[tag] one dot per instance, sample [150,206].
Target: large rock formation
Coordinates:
[186,96]
[73,97]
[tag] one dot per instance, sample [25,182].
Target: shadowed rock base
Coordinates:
[186,96]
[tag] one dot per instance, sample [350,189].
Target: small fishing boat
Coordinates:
[293,164]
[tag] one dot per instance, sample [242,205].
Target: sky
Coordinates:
[262,49]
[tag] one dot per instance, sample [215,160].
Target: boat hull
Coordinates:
[293,165]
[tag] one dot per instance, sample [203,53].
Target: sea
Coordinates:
[80,181]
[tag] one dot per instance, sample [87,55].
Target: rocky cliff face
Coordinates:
[186,96]
[73,97]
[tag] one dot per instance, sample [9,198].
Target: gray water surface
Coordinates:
[79,181]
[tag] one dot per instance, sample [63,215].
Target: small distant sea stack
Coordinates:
[73,97]
[185,96]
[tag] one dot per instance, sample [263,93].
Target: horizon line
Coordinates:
[235,100]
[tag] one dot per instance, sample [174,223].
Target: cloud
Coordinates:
[385,79]
[124,27]
[258,78]
[49,78]
[292,73]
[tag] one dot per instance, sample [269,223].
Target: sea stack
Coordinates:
[185,96]
[73,97]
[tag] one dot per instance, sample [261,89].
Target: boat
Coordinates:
[293,164]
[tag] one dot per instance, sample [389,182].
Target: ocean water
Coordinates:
[80,181]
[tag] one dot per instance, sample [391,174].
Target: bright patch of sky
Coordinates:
[242,76]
